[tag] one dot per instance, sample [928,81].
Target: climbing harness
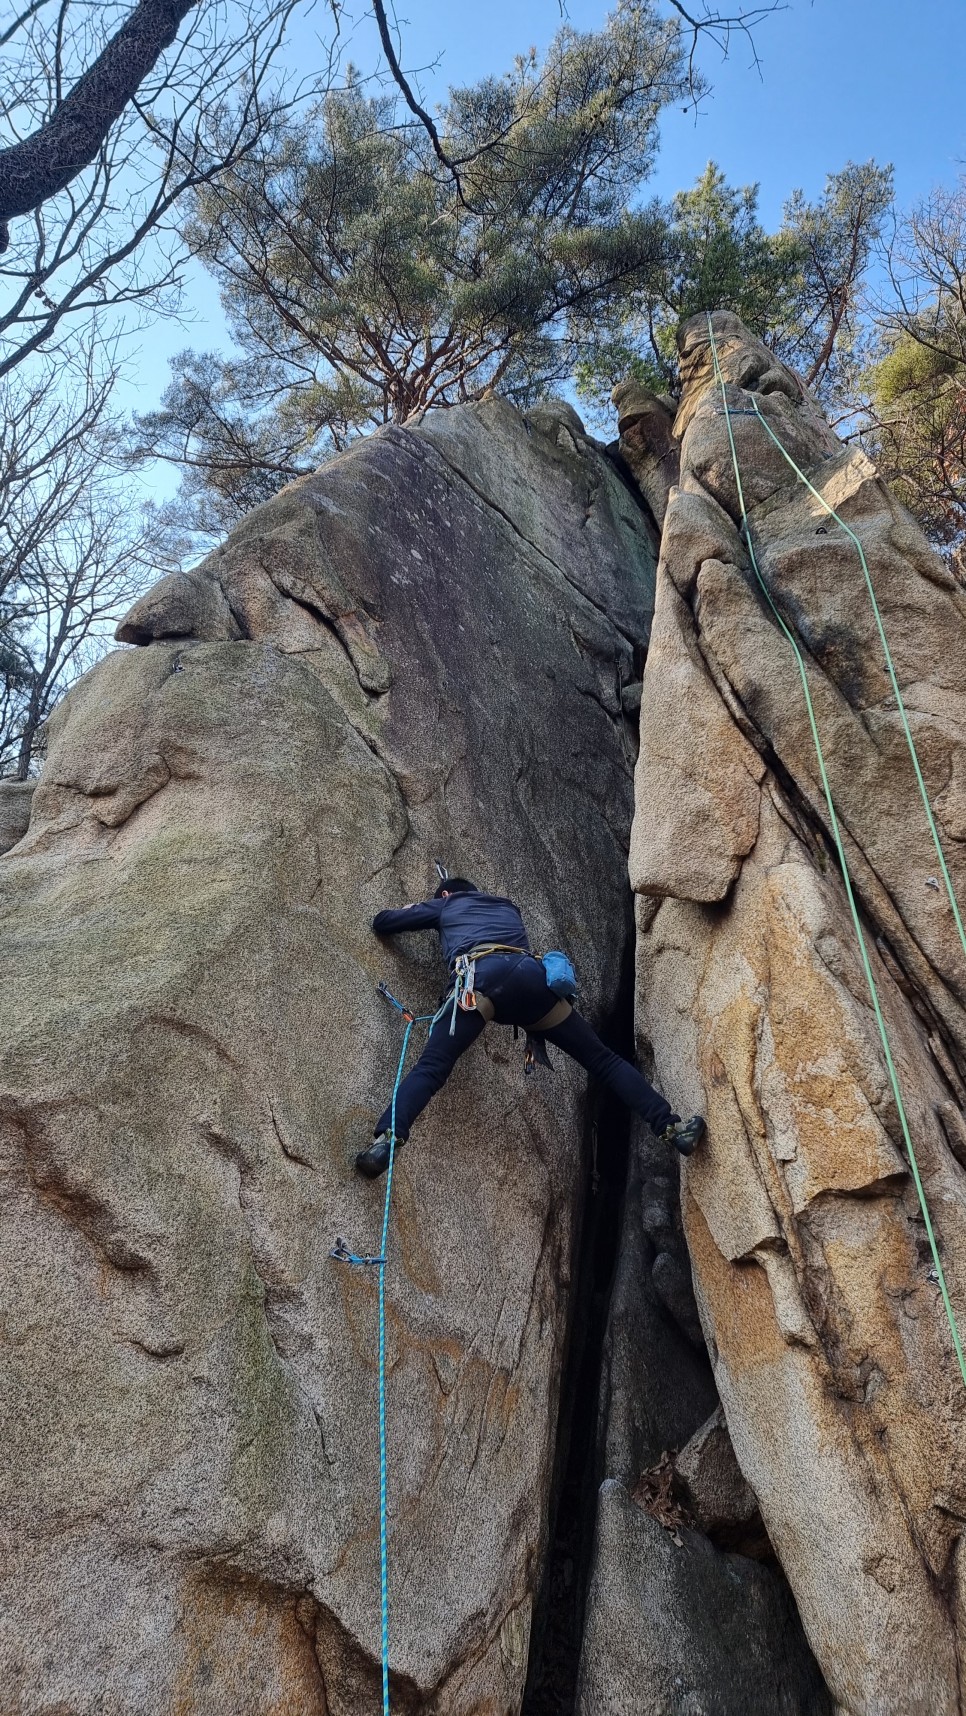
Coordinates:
[342,1254]
[745,533]
[464,974]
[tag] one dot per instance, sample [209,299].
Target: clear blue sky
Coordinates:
[840,80]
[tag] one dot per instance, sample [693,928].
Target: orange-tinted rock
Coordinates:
[831,1349]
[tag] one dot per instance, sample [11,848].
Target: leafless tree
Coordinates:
[917,388]
[75,541]
[110,117]
[37,166]
[105,241]
[926,262]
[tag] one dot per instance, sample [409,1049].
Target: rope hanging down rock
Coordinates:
[745,533]
[910,741]
[343,1254]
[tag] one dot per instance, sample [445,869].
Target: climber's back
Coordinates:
[464,917]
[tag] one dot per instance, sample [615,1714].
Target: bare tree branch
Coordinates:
[721,26]
[18,23]
[195,117]
[41,165]
[410,99]
[74,543]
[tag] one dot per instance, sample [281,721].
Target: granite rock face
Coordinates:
[676,1628]
[418,652]
[677,1623]
[16,798]
[645,424]
[830,1347]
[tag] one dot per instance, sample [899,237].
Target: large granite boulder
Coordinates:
[416,653]
[830,1345]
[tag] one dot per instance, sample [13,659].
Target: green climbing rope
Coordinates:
[836,834]
[914,754]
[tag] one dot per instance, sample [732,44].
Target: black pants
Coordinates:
[519,992]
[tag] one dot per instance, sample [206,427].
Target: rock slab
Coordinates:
[416,653]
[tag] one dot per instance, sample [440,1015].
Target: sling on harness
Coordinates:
[464,971]
[535,1054]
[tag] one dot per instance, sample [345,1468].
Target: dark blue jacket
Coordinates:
[464,921]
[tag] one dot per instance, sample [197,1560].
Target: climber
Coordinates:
[510,986]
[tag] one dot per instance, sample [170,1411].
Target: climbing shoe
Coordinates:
[374,1161]
[684,1135]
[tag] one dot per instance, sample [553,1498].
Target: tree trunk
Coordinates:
[39,166]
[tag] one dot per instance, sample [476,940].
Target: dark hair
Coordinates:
[455,885]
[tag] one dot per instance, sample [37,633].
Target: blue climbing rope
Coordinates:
[343,1254]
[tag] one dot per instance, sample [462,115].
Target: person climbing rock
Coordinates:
[508,985]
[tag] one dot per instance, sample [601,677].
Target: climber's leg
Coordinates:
[432,1069]
[582,1043]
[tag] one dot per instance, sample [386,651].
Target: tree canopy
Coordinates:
[377,259]
[363,285]
[799,288]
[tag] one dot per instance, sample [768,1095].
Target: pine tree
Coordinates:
[364,284]
[798,288]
